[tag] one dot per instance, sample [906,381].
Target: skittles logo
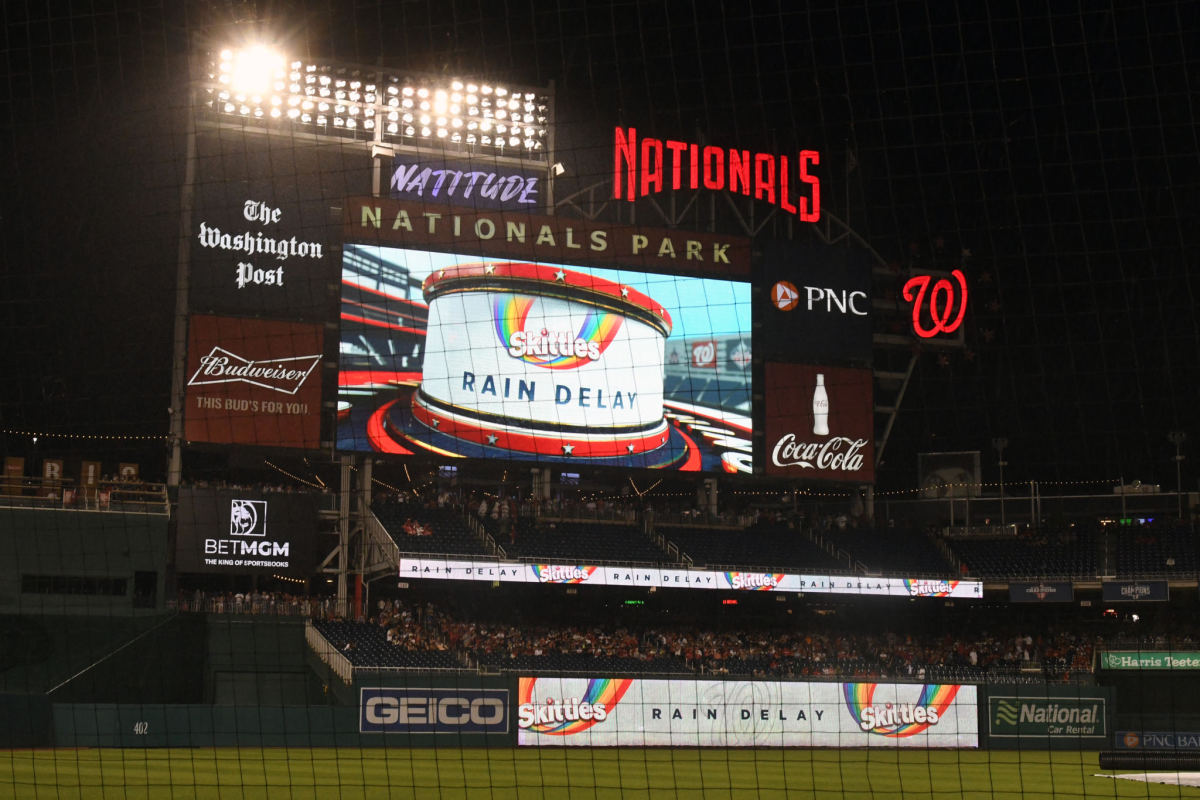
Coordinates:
[548,573]
[929,588]
[552,349]
[754,581]
[569,715]
[898,720]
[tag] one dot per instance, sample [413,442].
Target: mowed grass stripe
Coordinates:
[284,774]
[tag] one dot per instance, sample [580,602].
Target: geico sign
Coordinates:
[426,710]
[839,453]
[843,301]
[449,710]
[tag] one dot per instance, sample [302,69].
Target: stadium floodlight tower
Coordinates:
[378,111]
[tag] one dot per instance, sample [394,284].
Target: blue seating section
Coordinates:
[769,546]
[1055,554]
[372,649]
[1148,552]
[582,542]
[451,533]
[892,551]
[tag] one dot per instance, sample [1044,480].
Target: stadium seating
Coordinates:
[1054,553]
[372,649]
[891,551]
[581,542]
[451,532]
[583,662]
[1156,551]
[766,545]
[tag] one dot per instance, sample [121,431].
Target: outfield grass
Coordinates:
[279,774]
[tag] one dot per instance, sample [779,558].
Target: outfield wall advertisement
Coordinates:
[607,712]
[575,574]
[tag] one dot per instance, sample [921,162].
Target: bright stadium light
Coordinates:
[254,71]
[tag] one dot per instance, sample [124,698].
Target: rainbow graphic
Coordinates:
[607,691]
[754,581]
[933,695]
[916,588]
[512,310]
[552,573]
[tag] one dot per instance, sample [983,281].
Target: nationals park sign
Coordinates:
[534,237]
[595,575]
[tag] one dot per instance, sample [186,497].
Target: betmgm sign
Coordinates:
[247,544]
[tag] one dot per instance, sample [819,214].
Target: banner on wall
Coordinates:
[575,574]
[615,712]
[1136,591]
[1041,592]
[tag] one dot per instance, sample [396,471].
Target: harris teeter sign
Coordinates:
[1116,659]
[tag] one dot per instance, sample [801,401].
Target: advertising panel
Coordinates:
[818,304]
[462,356]
[593,575]
[1040,592]
[1036,713]
[257,254]
[253,381]
[433,710]
[246,531]
[530,237]
[820,422]
[614,712]
[1136,591]
[1166,740]
[479,182]
[1118,659]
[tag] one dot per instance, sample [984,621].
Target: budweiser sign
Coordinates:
[839,453]
[285,375]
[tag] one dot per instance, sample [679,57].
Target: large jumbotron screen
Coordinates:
[491,358]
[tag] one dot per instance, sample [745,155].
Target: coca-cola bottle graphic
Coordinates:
[820,408]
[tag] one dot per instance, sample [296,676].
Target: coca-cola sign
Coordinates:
[839,452]
[284,375]
[820,422]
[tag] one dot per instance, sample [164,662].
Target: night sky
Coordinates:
[1050,150]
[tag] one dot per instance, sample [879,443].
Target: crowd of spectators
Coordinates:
[270,603]
[764,652]
[273,488]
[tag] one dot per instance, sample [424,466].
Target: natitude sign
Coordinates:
[820,422]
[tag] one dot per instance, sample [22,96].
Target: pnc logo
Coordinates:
[784,295]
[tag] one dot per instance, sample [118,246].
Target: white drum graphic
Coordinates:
[543,352]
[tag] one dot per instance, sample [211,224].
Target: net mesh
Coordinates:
[386,406]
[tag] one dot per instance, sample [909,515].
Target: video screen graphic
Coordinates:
[492,358]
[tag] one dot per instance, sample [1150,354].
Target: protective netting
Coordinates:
[426,399]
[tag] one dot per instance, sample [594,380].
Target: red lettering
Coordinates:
[807,156]
[783,187]
[714,173]
[739,169]
[627,148]
[695,176]
[764,183]
[676,148]
[652,172]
